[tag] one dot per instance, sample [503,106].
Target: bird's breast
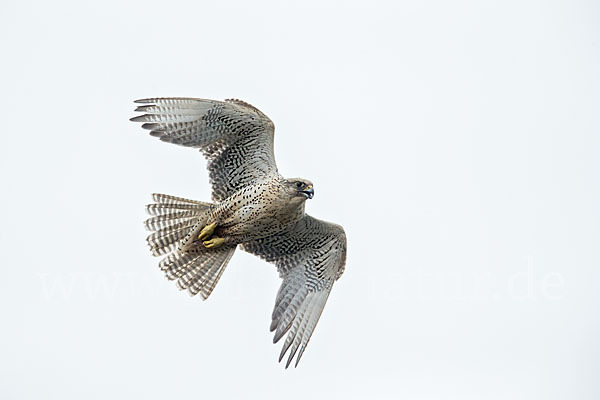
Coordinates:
[255,214]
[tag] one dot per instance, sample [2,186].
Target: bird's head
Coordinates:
[299,188]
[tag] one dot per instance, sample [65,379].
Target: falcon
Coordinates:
[252,207]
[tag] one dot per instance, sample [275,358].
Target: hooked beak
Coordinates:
[309,192]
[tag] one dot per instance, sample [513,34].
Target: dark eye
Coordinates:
[298,184]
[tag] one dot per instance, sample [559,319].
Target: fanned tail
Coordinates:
[175,224]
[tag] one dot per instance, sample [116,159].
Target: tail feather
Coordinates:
[168,199]
[201,273]
[213,276]
[174,223]
[194,271]
[205,282]
[175,264]
[162,241]
[166,209]
[167,220]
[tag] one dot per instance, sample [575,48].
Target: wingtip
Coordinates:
[151,126]
[289,361]
[138,118]
[144,101]
[283,351]
[278,335]
[299,356]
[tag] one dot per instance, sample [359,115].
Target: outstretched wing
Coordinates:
[310,257]
[235,137]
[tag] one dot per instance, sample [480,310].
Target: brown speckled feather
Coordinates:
[235,137]
[309,257]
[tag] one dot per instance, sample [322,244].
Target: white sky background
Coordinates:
[456,142]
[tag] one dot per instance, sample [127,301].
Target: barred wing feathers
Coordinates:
[310,257]
[235,137]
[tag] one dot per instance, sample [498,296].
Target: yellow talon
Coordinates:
[213,243]
[207,231]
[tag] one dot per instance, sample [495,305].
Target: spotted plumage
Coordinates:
[253,207]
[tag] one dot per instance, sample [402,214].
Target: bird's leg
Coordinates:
[207,231]
[213,243]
